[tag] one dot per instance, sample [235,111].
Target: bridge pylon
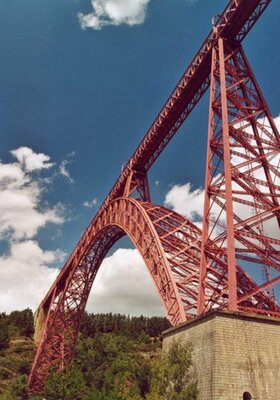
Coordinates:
[242,184]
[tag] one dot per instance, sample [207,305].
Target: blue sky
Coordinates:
[85,97]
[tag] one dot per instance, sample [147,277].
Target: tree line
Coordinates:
[17,323]
[131,327]
[118,357]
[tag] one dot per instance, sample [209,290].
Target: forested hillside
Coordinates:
[117,358]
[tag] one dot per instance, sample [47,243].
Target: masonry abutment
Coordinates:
[39,322]
[234,355]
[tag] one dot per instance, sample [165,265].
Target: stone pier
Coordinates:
[39,321]
[236,355]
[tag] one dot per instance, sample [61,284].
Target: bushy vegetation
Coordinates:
[132,327]
[16,353]
[117,358]
[18,323]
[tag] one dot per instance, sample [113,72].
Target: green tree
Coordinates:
[173,376]
[4,334]
[112,367]
[19,388]
[67,384]
[97,395]
[6,396]
[132,327]
[23,321]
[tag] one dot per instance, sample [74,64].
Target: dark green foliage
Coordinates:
[17,354]
[131,327]
[22,322]
[15,362]
[111,365]
[23,366]
[173,376]
[143,376]
[68,384]
[117,358]
[18,323]
[19,389]
[4,333]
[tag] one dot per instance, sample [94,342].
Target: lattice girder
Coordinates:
[65,302]
[170,246]
[242,189]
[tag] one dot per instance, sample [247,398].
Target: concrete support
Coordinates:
[233,353]
[39,321]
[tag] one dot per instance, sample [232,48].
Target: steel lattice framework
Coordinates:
[242,174]
[193,270]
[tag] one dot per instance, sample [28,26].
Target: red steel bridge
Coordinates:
[195,270]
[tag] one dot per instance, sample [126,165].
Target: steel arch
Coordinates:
[171,248]
[60,312]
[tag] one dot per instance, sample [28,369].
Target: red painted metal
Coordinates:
[227,179]
[242,190]
[234,23]
[194,271]
[70,293]
[170,246]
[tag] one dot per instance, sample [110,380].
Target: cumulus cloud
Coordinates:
[25,268]
[20,216]
[30,160]
[114,12]
[124,285]
[90,203]
[25,275]
[12,176]
[20,196]
[185,201]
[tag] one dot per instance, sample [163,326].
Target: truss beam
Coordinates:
[242,197]
[170,246]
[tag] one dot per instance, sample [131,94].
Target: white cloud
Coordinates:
[186,202]
[30,160]
[114,12]
[25,275]
[90,203]
[27,271]
[20,197]
[124,285]
[64,171]
[20,217]
[12,176]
